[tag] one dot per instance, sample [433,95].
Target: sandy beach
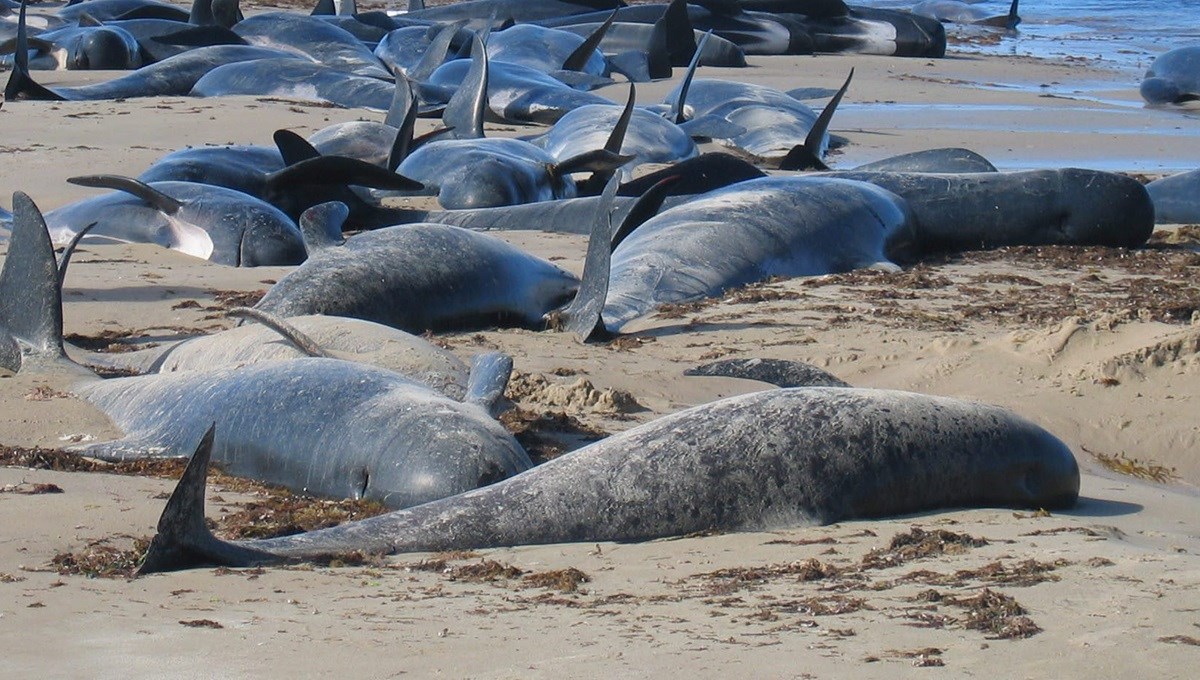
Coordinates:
[1100,346]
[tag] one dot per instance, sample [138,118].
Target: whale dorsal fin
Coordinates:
[579,58]
[321,226]
[160,201]
[583,316]
[676,115]
[807,156]
[646,206]
[466,109]
[30,294]
[19,81]
[64,259]
[293,148]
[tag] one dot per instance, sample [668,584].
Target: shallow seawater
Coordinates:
[1124,34]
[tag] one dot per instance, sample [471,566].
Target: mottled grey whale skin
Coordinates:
[320,425]
[323,426]
[351,339]
[421,277]
[1173,77]
[763,461]
[1067,206]
[747,232]
[1176,198]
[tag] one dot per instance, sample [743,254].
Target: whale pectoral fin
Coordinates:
[87,20]
[129,448]
[183,539]
[489,377]
[30,293]
[338,171]
[578,59]
[598,160]
[321,226]
[157,199]
[583,316]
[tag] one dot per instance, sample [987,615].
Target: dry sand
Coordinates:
[1099,346]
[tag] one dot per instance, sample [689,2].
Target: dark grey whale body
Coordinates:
[1173,77]
[1068,206]
[420,277]
[761,461]
[773,226]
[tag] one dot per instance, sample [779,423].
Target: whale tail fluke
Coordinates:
[183,539]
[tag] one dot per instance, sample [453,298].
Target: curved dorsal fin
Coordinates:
[583,316]
[676,115]
[646,206]
[293,148]
[19,81]
[466,109]
[579,58]
[321,226]
[807,156]
[30,293]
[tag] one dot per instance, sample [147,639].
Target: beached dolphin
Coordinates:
[333,337]
[750,231]
[106,10]
[958,12]
[324,426]
[764,461]
[1173,77]
[646,136]
[514,92]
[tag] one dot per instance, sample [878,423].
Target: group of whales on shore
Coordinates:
[407,424]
